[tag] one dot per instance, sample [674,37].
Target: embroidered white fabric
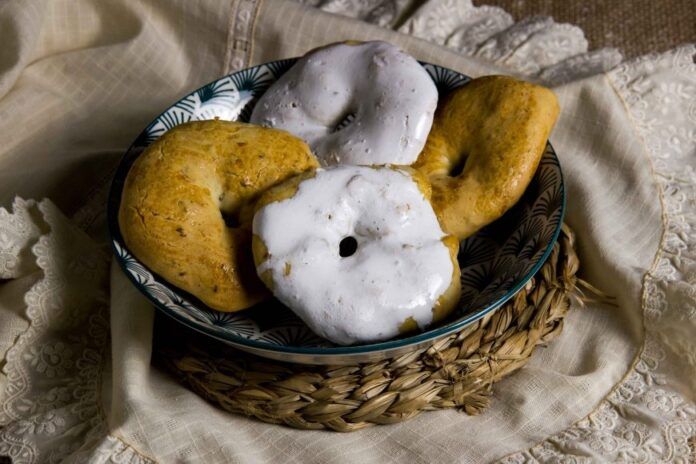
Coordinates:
[52,406]
[535,47]
[56,372]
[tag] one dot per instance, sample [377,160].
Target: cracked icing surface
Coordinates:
[400,269]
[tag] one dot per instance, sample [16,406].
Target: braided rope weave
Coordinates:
[456,372]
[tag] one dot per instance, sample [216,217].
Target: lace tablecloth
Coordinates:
[80,78]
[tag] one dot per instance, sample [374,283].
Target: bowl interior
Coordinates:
[495,263]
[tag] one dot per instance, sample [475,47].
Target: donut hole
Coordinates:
[347,247]
[345,120]
[231,219]
[458,166]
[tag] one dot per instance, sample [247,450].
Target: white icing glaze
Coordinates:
[391,96]
[400,269]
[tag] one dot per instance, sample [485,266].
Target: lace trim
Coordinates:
[54,369]
[645,420]
[535,47]
[385,13]
[15,239]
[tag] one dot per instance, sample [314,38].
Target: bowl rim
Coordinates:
[421,337]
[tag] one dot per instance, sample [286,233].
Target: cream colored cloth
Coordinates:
[79,79]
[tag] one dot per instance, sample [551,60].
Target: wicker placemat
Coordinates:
[456,372]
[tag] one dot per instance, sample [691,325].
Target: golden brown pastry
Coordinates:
[484,148]
[182,190]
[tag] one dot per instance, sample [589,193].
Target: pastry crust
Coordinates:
[495,130]
[179,192]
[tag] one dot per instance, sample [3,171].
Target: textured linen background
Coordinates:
[78,81]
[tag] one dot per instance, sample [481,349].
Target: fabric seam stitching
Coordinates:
[252,33]
[228,41]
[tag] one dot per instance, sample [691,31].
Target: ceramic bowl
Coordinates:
[495,263]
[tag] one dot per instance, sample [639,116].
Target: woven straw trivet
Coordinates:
[456,372]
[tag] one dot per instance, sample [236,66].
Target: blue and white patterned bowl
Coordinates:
[495,263]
